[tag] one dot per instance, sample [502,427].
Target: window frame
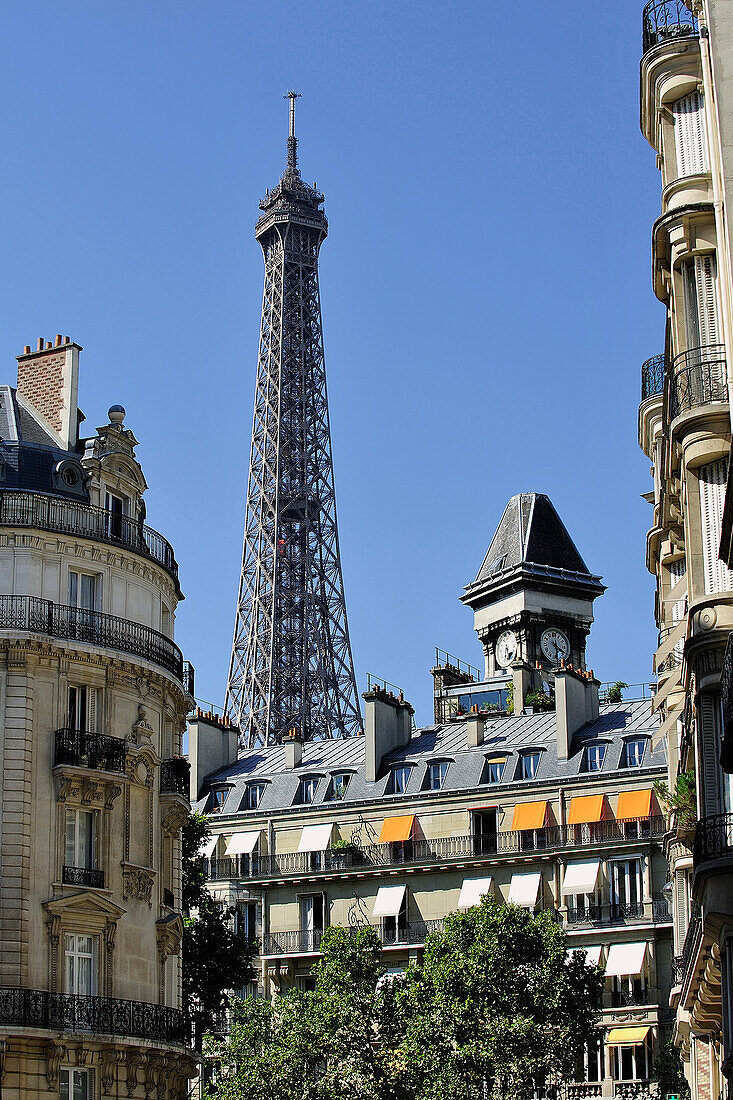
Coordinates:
[430,775]
[67,1075]
[393,772]
[331,792]
[77,955]
[524,756]
[596,747]
[255,785]
[628,743]
[307,779]
[77,813]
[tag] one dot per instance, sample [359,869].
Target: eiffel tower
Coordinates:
[291,667]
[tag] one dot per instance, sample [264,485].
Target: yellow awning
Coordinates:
[529,815]
[634,804]
[396,828]
[627,1036]
[585,809]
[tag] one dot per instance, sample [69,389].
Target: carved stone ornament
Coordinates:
[55,1054]
[135,1063]
[169,933]
[137,883]
[174,819]
[109,1060]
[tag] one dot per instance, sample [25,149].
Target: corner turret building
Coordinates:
[551,808]
[93,788]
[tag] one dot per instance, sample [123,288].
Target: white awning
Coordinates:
[625,958]
[592,953]
[315,838]
[581,876]
[207,848]
[388,901]
[241,844]
[472,890]
[524,887]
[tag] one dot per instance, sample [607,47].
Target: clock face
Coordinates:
[555,645]
[506,648]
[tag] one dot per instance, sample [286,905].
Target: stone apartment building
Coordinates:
[93,790]
[553,810]
[685,430]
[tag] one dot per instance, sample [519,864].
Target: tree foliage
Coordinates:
[216,957]
[669,1072]
[495,1009]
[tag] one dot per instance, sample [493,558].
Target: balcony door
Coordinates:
[484,831]
[80,840]
[626,887]
[701,303]
[81,955]
[117,508]
[82,711]
[311,921]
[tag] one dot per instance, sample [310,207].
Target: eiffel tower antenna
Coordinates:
[291,667]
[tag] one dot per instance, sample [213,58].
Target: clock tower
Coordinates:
[533,597]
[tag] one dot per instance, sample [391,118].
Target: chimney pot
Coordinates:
[27,349]
[67,339]
[58,339]
[40,344]
[48,344]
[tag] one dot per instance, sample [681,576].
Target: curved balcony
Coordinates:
[37,1008]
[66,517]
[698,378]
[174,776]
[713,839]
[92,628]
[665,21]
[652,376]
[89,750]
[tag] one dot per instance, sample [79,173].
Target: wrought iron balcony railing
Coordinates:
[678,970]
[629,911]
[698,378]
[691,944]
[674,658]
[91,627]
[309,942]
[713,839]
[37,1008]
[584,914]
[620,998]
[89,750]
[440,850]
[83,876]
[652,376]
[68,517]
[174,776]
[665,20]
[189,679]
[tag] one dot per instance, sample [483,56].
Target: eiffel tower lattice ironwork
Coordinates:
[291,665]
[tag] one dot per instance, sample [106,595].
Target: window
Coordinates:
[626,888]
[117,507]
[394,929]
[245,919]
[484,828]
[494,770]
[85,590]
[398,779]
[306,983]
[593,1069]
[307,790]
[80,839]
[311,921]
[629,989]
[631,1063]
[254,795]
[528,765]
[583,908]
[75,1084]
[712,480]
[701,313]
[218,797]
[633,756]
[435,775]
[337,786]
[82,710]
[81,957]
[593,756]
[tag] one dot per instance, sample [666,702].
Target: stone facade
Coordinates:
[93,789]
[685,430]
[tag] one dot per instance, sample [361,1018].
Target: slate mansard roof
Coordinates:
[29,453]
[532,539]
[617,723]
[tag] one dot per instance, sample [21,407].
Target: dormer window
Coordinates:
[253,795]
[633,754]
[337,786]
[494,770]
[435,775]
[307,790]
[593,757]
[219,796]
[528,764]
[398,779]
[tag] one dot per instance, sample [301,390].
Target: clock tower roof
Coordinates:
[532,543]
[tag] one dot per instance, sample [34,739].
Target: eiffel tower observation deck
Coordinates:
[291,670]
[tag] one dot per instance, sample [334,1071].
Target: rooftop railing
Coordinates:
[91,627]
[440,850]
[698,378]
[666,20]
[37,1008]
[652,376]
[68,517]
[89,750]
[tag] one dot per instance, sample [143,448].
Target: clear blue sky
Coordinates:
[485,284]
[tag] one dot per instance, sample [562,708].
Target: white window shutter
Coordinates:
[679,608]
[712,481]
[705,273]
[689,135]
[91,710]
[70,839]
[682,904]
[95,967]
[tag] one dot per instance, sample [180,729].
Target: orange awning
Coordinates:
[585,809]
[634,804]
[396,828]
[529,815]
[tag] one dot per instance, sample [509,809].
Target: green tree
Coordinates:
[498,1008]
[669,1073]
[216,957]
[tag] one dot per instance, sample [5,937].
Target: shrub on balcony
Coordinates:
[681,801]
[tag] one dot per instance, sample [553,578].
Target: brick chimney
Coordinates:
[387,726]
[48,381]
